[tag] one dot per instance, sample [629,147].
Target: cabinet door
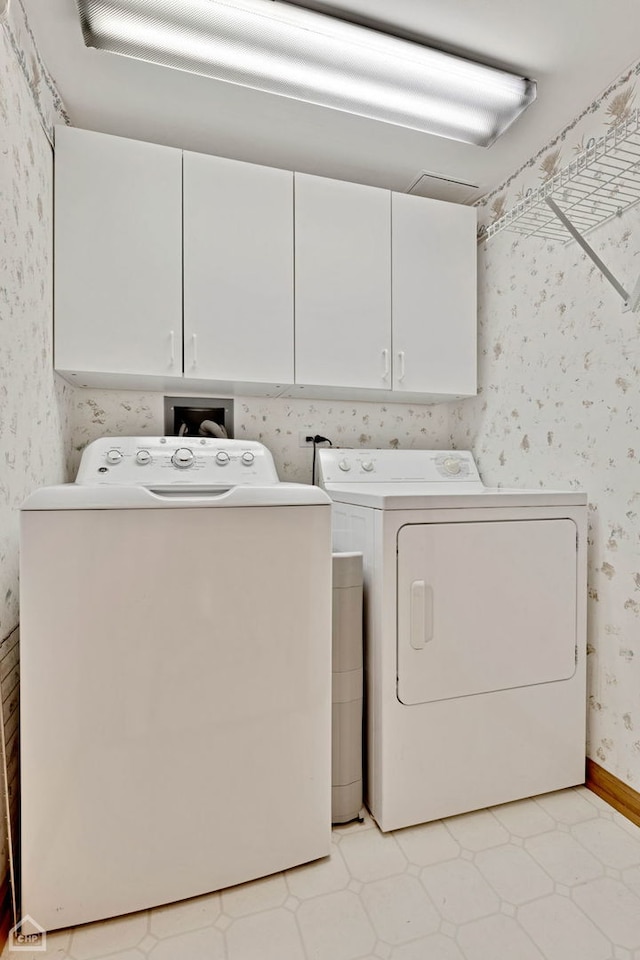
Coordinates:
[238,270]
[434,296]
[343,283]
[118,255]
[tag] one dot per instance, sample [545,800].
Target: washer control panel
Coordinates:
[397,466]
[162,461]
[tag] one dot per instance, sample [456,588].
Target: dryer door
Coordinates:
[484,606]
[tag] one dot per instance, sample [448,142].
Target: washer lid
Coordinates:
[74,496]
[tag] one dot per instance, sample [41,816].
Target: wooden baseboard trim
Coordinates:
[617,793]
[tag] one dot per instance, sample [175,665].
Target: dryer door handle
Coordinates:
[421,614]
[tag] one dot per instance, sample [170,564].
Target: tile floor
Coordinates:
[555,878]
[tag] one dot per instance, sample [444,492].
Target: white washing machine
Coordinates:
[176,677]
[475,631]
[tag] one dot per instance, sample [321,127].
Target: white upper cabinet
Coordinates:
[238,271]
[343,284]
[118,255]
[434,296]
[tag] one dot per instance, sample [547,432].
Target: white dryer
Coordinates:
[475,604]
[176,677]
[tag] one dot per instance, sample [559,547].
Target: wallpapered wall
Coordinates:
[276,423]
[34,402]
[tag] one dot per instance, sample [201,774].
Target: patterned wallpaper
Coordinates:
[34,402]
[277,423]
[44,94]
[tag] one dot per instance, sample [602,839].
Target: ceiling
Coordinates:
[571,48]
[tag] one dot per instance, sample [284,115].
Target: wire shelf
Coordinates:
[599,184]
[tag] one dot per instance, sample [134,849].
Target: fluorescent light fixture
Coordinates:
[309,56]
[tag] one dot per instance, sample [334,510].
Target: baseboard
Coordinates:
[617,793]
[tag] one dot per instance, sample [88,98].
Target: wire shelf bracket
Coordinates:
[631,300]
[598,185]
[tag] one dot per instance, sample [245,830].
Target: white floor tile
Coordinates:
[272,935]
[609,843]
[513,874]
[321,876]
[335,927]
[187,915]
[372,855]
[248,898]
[399,909]
[567,806]
[564,858]
[426,844]
[562,931]
[100,939]
[207,944]
[436,947]
[459,891]
[614,908]
[632,880]
[498,938]
[524,818]
[477,831]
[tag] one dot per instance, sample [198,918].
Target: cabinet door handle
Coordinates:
[385,360]
[172,348]
[401,366]
[194,353]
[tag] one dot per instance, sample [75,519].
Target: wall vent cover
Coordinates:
[442,188]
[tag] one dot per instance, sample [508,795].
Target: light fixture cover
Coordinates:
[309,56]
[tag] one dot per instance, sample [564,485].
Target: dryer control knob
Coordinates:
[344,465]
[452,466]
[143,457]
[248,457]
[183,457]
[222,458]
[367,466]
[114,456]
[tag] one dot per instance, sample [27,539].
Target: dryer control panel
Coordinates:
[397,466]
[162,461]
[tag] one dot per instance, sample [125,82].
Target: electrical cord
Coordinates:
[315,440]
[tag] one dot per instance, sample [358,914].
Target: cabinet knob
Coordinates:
[400,366]
[194,350]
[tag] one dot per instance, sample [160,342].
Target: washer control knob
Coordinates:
[248,457]
[114,456]
[367,466]
[451,466]
[183,457]
[344,465]
[143,457]
[222,458]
